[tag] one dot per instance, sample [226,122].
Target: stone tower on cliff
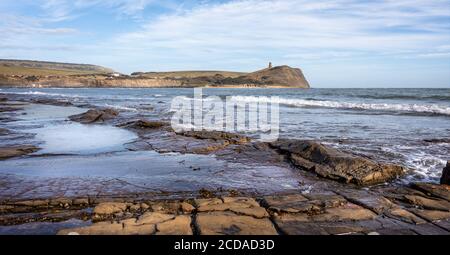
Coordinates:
[270,65]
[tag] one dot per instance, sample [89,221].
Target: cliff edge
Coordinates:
[23,73]
[283,76]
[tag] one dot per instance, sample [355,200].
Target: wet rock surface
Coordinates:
[16,151]
[143,124]
[95,116]
[358,212]
[445,179]
[316,206]
[51,102]
[333,164]
[4,131]
[217,136]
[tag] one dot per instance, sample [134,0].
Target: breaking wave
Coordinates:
[121,107]
[38,93]
[407,108]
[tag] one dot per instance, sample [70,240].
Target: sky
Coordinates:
[337,43]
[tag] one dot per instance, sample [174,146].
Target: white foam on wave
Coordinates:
[425,162]
[39,93]
[120,107]
[414,108]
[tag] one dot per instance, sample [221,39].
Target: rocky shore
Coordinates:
[422,209]
[341,192]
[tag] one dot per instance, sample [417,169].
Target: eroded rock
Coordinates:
[297,203]
[171,207]
[9,109]
[374,202]
[16,151]
[108,208]
[347,212]
[432,215]
[126,227]
[180,225]
[404,215]
[33,203]
[51,102]
[334,164]
[288,203]
[228,223]
[95,116]
[217,136]
[238,205]
[4,131]
[186,207]
[430,189]
[143,124]
[433,204]
[154,218]
[148,224]
[338,220]
[445,179]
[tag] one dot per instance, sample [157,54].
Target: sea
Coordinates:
[410,127]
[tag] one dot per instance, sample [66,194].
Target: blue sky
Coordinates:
[337,43]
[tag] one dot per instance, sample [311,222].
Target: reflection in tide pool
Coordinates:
[75,138]
[44,113]
[57,135]
[141,171]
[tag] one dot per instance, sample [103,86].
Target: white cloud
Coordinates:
[58,10]
[323,36]
[290,28]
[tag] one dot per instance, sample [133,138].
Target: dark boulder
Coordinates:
[16,151]
[9,109]
[4,131]
[51,102]
[143,124]
[445,179]
[337,165]
[217,136]
[94,116]
[437,140]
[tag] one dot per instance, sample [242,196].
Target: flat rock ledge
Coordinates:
[421,209]
[334,164]
[16,151]
[95,116]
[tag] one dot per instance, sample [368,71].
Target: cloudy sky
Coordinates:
[337,43]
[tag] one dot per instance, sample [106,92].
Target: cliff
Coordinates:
[283,76]
[31,67]
[20,73]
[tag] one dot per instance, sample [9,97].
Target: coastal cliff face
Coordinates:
[49,74]
[85,81]
[281,76]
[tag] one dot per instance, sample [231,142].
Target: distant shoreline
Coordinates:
[146,87]
[48,74]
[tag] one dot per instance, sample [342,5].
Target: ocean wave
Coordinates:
[405,97]
[120,107]
[39,93]
[408,108]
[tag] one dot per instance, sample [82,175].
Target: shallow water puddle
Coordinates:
[75,138]
[140,171]
[43,113]
[57,135]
